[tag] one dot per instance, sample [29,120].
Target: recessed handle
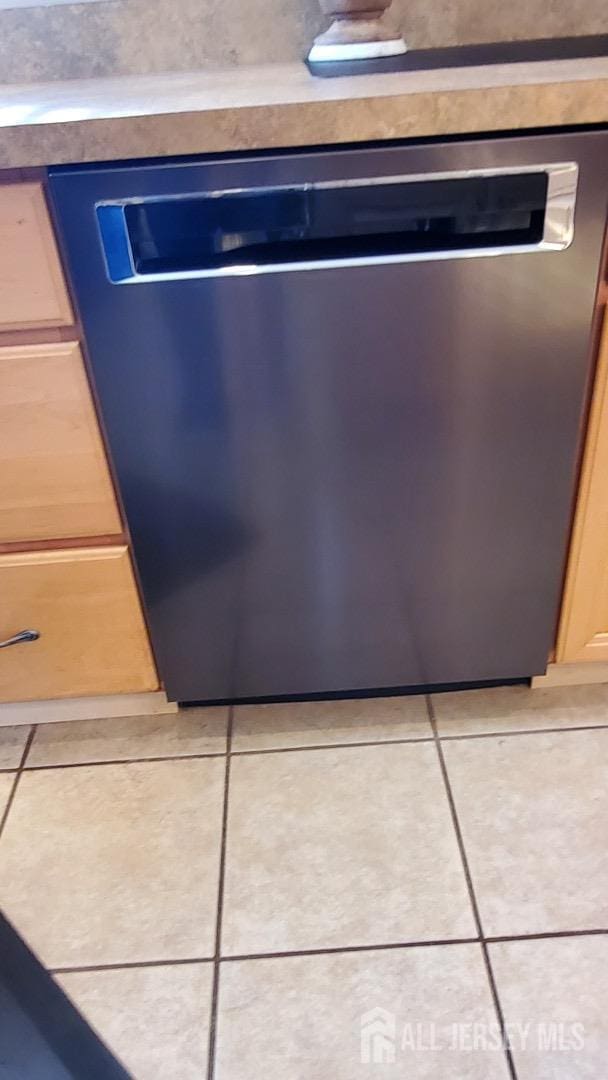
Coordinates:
[360,221]
[17,639]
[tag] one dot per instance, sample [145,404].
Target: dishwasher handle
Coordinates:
[339,223]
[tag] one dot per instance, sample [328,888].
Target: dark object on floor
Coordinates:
[495,52]
[42,1035]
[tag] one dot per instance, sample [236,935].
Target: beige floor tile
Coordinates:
[6,784]
[155,1020]
[115,863]
[559,987]
[314,723]
[190,731]
[335,847]
[518,708]
[534,816]
[318,1017]
[12,745]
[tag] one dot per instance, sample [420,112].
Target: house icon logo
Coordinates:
[378,1037]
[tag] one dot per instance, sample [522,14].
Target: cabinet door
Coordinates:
[84,606]
[32,289]
[54,478]
[584,624]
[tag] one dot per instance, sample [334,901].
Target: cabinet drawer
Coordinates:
[54,478]
[84,604]
[32,288]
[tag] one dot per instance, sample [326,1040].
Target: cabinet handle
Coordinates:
[25,635]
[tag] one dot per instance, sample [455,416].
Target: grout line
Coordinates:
[471,891]
[26,748]
[456,823]
[339,949]
[412,740]
[220,907]
[545,935]
[332,746]
[28,745]
[129,964]
[124,761]
[18,774]
[523,731]
[390,946]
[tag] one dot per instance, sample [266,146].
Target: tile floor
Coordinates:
[324,891]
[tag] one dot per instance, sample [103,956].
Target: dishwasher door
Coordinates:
[343,393]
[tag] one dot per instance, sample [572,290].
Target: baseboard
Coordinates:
[572,675]
[86,708]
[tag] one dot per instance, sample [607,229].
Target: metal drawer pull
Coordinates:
[25,635]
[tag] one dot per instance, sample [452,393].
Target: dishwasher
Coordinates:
[343,393]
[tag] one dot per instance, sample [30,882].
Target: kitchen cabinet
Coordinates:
[33,293]
[84,606]
[65,568]
[583,632]
[54,478]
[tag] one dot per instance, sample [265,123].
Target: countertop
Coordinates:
[283,105]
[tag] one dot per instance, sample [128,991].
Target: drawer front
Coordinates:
[54,478]
[84,605]
[33,293]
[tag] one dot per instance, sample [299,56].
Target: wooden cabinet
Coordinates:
[583,633]
[76,589]
[33,294]
[54,478]
[84,605]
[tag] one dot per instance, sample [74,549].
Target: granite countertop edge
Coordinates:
[282,105]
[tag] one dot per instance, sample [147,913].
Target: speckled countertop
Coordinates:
[283,105]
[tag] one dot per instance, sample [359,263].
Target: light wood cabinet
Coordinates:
[77,590]
[583,632]
[84,605]
[33,294]
[54,478]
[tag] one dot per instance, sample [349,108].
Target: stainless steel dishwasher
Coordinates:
[343,393]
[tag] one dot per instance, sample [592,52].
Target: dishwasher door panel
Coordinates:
[344,478]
